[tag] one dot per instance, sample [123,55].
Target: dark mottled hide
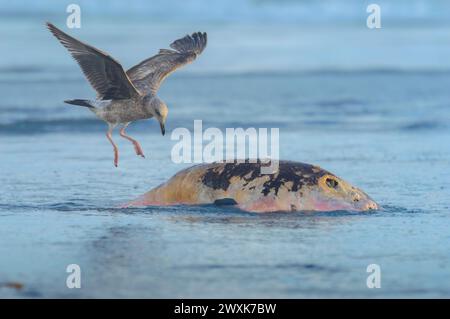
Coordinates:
[293,187]
[298,173]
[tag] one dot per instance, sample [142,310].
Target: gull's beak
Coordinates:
[163,129]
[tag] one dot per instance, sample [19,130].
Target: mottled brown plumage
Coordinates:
[124,97]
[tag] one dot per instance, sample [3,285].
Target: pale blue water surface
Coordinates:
[373,107]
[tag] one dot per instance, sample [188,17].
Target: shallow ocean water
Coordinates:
[385,130]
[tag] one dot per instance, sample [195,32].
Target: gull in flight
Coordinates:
[124,97]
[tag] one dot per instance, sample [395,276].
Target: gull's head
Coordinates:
[159,110]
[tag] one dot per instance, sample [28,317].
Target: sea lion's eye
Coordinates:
[331,183]
[157,113]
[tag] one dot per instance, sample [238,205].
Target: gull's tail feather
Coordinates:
[80,102]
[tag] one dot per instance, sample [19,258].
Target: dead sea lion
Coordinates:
[294,187]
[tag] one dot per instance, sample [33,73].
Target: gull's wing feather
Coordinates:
[148,75]
[105,74]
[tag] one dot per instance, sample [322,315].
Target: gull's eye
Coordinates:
[331,183]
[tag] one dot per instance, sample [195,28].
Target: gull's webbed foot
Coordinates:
[116,157]
[138,149]
[137,146]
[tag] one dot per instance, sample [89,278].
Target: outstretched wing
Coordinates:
[148,75]
[105,74]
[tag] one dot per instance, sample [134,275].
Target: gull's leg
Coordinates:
[137,147]
[116,150]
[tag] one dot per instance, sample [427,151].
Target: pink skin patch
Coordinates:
[265,204]
[330,205]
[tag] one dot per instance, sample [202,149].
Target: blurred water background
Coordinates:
[372,106]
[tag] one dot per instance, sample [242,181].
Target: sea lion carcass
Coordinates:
[293,187]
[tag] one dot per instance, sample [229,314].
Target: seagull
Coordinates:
[125,97]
